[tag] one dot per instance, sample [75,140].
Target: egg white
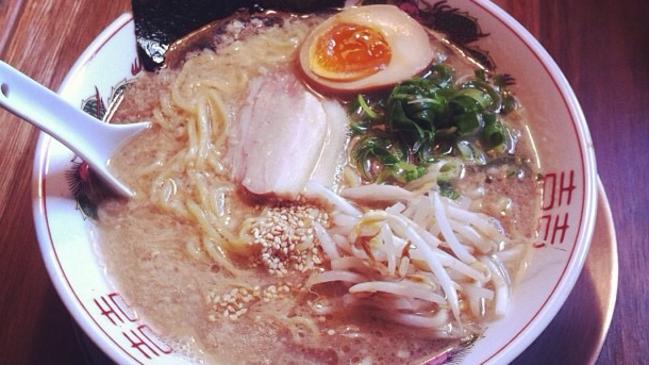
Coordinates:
[410,45]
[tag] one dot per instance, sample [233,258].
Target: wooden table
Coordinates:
[602,47]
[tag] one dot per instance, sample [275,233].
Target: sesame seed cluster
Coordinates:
[287,239]
[237,301]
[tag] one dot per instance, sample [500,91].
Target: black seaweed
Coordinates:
[159,23]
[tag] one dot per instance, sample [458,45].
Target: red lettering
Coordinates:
[568,189]
[564,188]
[121,305]
[563,227]
[138,343]
[108,311]
[554,226]
[546,229]
[154,339]
[142,338]
[548,190]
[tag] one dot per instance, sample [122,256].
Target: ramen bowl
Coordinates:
[69,244]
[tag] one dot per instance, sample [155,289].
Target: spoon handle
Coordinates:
[45,110]
[89,138]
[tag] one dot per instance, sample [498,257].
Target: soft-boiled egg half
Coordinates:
[366,47]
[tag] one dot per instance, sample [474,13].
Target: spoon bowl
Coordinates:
[92,140]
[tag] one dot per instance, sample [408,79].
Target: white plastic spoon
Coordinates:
[92,140]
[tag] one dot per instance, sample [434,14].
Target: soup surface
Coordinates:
[277,221]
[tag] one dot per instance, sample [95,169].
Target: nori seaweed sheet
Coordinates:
[159,23]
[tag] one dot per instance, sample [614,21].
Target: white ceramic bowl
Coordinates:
[567,161]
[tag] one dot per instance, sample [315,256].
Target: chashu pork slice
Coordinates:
[332,156]
[284,137]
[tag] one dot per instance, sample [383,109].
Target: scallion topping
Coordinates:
[428,118]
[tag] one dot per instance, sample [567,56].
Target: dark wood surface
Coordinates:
[602,47]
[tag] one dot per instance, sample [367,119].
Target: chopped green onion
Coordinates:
[471,153]
[446,190]
[406,172]
[430,117]
[493,133]
[488,97]
[464,104]
[366,108]
[373,150]
[441,75]
[451,170]
[358,128]
[468,123]
[509,104]
[480,96]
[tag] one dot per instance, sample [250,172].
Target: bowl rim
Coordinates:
[508,352]
[540,320]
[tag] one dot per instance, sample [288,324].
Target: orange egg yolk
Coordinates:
[348,52]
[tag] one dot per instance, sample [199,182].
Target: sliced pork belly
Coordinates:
[333,150]
[284,136]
